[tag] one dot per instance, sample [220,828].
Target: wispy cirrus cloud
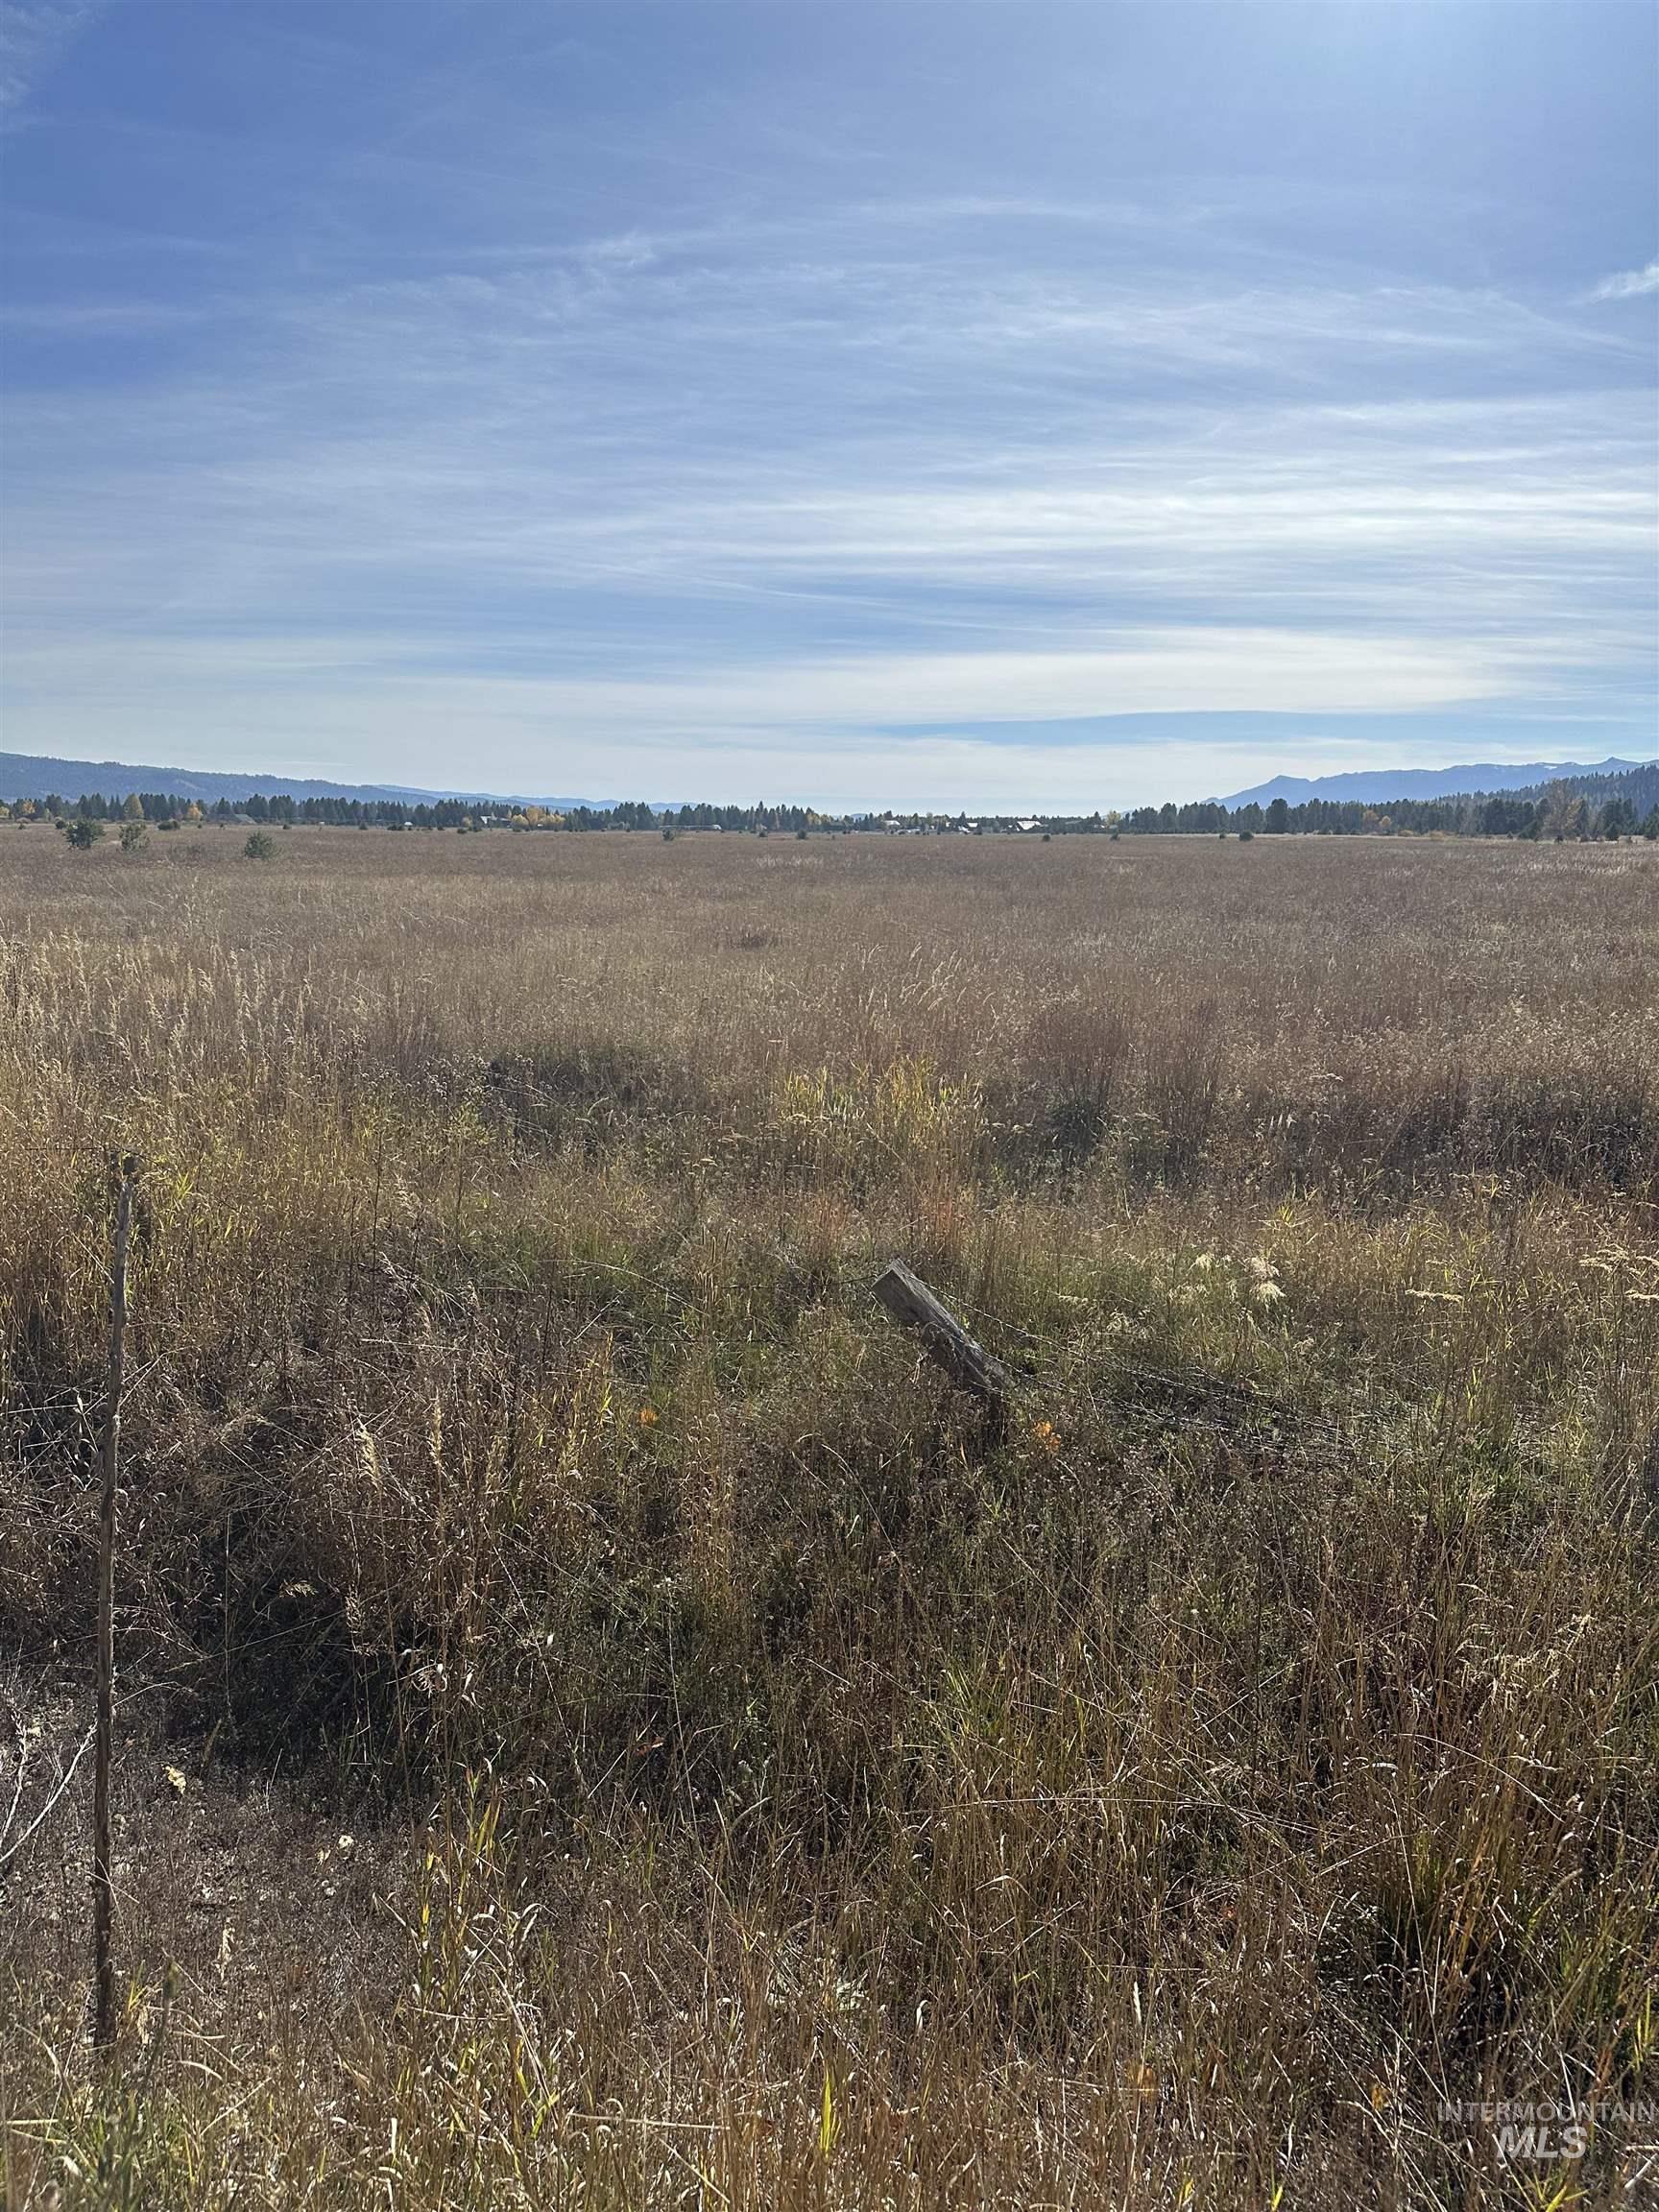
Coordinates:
[946,446]
[1629,283]
[34,34]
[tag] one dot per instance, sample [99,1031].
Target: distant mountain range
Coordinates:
[1380,784]
[24,775]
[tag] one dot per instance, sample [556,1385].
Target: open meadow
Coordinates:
[604,1723]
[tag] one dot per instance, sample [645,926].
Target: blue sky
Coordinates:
[861,404]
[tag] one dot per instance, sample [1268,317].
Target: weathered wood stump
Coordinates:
[947,1343]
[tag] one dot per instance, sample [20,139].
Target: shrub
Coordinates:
[258,846]
[132,836]
[83,832]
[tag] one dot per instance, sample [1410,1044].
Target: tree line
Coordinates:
[1616,805]
[1601,806]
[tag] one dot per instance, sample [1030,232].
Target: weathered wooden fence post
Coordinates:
[969,1365]
[103,1888]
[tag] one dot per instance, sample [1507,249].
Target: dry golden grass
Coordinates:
[763,1788]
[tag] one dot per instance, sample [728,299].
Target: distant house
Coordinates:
[1025,827]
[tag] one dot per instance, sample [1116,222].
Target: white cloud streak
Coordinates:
[1629,284]
[807,487]
[32,35]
